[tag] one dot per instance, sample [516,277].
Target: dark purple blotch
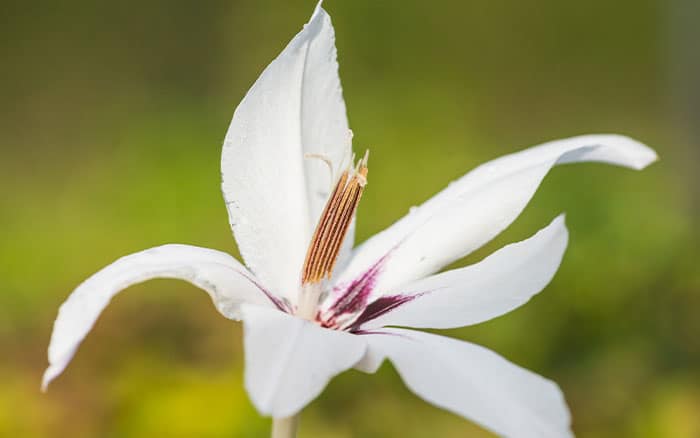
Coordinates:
[379,307]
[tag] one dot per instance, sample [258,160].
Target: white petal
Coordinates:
[474,382]
[478,206]
[228,283]
[288,360]
[503,281]
[274,183]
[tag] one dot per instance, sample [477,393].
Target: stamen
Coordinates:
[334,223]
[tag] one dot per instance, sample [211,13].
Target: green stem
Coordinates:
[285,427]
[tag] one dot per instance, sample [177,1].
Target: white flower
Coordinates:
[311,305]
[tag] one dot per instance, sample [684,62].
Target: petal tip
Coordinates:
[318,12]
[561,219]
[643,155]
[558,226]
[50,374]
[616,149]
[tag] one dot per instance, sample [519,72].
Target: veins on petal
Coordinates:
[281,303]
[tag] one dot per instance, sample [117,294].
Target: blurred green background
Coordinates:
[112,119]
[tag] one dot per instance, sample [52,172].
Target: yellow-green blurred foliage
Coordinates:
[112,119]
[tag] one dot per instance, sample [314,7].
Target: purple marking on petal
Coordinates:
[355,295]
[379,307]
[280,304]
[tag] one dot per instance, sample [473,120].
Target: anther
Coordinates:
[334,223]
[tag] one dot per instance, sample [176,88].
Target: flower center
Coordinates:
[328,237]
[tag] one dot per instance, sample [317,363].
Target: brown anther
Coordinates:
[334,223]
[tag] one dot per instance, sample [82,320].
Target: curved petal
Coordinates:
[478,206]
[227,282]
[498,284]
[288,360]
[285,136]
[473,382]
